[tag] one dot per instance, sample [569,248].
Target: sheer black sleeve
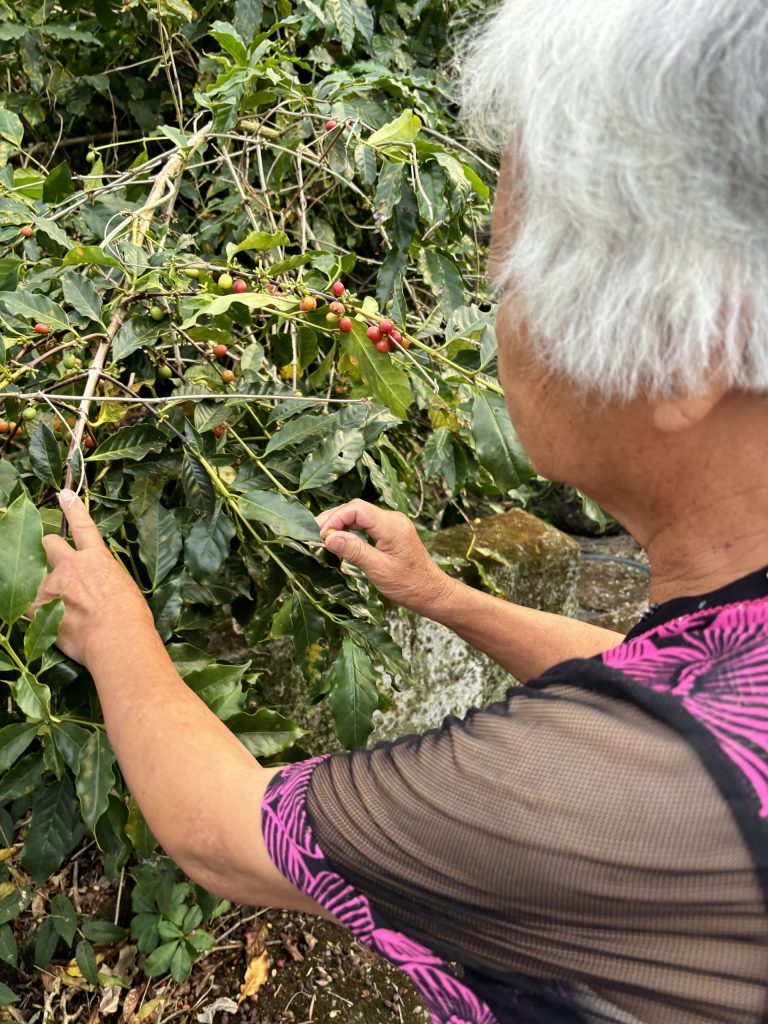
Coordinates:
[562,836]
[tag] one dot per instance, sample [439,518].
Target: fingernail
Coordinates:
[66,497]
[335,542]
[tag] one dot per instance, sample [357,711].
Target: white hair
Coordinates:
[639,253]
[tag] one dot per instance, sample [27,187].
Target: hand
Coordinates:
[98,593]
[399,566]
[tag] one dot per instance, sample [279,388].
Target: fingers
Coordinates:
[360,515]
[57,549]
[356,551]
[84,531]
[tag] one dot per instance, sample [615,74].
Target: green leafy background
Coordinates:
[209,501]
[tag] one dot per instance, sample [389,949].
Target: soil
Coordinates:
[317,974]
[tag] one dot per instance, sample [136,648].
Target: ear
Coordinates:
[677,412]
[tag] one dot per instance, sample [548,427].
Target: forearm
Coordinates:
[522,640]
[181,764]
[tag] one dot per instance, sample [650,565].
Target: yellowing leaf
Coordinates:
[256,974]
[147,1010]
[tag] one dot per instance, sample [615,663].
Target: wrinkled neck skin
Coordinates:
[696,499]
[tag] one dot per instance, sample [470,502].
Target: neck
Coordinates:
[717,539]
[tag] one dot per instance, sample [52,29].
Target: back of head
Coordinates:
[640,130]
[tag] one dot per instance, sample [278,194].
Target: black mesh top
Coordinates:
[592,848]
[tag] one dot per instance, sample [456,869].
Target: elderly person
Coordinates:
[594,847]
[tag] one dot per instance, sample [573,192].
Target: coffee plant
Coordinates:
[241,281]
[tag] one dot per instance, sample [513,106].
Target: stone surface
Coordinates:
[512,554]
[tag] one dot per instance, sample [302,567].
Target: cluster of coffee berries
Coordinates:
[385,336]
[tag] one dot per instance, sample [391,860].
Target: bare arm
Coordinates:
[522,640]
[199,789]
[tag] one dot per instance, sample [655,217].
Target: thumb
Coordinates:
[354,549]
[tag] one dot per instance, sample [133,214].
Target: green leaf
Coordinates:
[443,277]
[45,943]
[89,255]
[265,733]
[95,777]
[45,455]
[207,545]
[14,740]
[498,448]
[55,830]
[14,903]
[64,917]
[220,687]
[43,629]
[296,431]
[130,443]
[7,995]
[134,334]
[403,129]
[181,963]
[37,308]
[81,295]
[228,39]
[58,185]
[69,740]
[335,456]
[284,516]
[344,20]
[262,240]
[379,644]
[22,779]
[160,542]
[11,134]
[383,374]
[198,488]
[354,696]
[221,303]
[159,961]
[86,961]
[32,697]
[9,953]
[102,933]
[307,628]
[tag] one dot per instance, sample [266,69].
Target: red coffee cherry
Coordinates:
[239,287]
[42,329]
[27,231]
[386,326]
[337,308]
[345,325]
[330,125]
[383,345]
[220,350]
[374,333]
[338,289]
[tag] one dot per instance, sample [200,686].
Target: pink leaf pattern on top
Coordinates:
[716,664]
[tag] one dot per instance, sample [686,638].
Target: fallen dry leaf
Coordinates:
[221,1005]
[256,941]
[130,1005]
[289,944]
[256,974]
